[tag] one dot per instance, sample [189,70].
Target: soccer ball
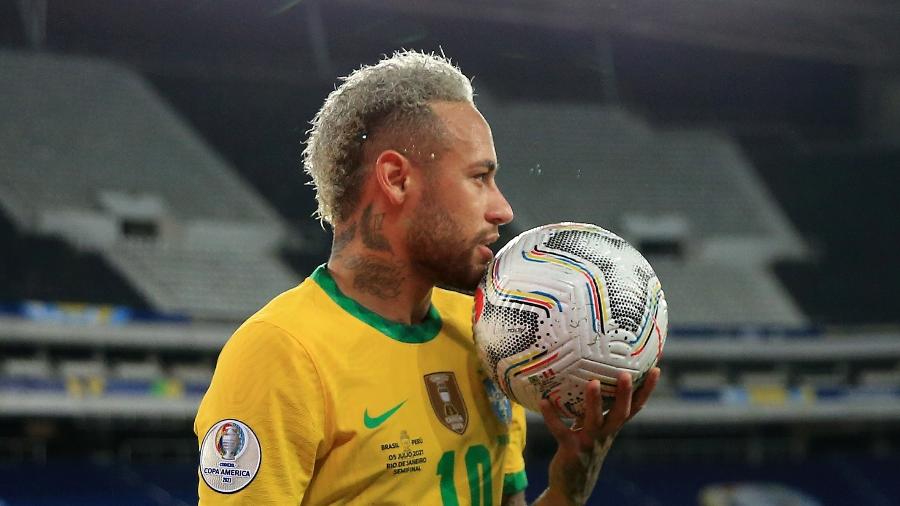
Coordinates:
[563,304]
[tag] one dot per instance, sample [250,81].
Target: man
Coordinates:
[361,385]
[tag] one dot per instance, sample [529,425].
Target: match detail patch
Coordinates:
[229,456]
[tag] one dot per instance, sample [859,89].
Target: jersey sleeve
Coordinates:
[266,381]
[514,478]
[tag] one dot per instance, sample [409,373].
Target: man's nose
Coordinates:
[500,212]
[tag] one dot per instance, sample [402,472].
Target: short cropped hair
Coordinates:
[384,105]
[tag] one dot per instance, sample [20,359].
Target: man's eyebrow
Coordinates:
[490,165]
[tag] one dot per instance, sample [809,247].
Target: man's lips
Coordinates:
[491,239]
[484,246]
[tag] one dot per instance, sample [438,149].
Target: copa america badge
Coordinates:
[229,456]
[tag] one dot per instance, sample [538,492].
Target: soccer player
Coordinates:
[361,385]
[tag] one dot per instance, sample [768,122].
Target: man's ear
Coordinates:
[392,171]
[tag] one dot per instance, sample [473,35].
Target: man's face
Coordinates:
[460,208]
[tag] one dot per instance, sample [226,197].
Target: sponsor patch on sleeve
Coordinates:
[229,456]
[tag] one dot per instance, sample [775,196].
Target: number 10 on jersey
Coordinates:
[478,474]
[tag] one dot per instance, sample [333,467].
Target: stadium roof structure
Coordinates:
[285,39]
[847,31]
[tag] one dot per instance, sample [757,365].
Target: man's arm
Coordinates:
[517,499]
[583,447]
[266,381]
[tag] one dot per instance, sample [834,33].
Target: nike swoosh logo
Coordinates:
[372,422]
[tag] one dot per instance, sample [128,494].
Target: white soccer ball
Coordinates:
[563,304]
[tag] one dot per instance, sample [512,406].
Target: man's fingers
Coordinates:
[593,406]
[643,393]
[620,411]
[627,403]
[553,421]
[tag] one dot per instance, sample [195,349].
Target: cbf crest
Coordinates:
[447,401]
[229,456]
[499,402]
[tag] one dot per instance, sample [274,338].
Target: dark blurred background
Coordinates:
[151,197]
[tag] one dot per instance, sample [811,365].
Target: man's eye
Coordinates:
[482,177]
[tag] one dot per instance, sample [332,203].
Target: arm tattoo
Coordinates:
[371,231]
[580,479]
[378,277]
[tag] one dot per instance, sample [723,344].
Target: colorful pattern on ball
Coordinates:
[563,304]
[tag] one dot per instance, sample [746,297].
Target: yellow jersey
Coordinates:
[318,400]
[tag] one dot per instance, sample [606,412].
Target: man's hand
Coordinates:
[583,446]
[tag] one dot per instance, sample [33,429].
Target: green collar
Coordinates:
[412,334]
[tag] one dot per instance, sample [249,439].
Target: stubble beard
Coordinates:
[439,248]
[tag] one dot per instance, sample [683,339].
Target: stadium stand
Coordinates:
[603,165]
[625,166]
[74,127]
[719,292]
[204,282]
[681,478]
[90,153]
[850,221]
[80,483]
[113,200]
[34,267]
[833,481]
[30,376]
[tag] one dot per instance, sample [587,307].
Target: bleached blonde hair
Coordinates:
[386,104]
